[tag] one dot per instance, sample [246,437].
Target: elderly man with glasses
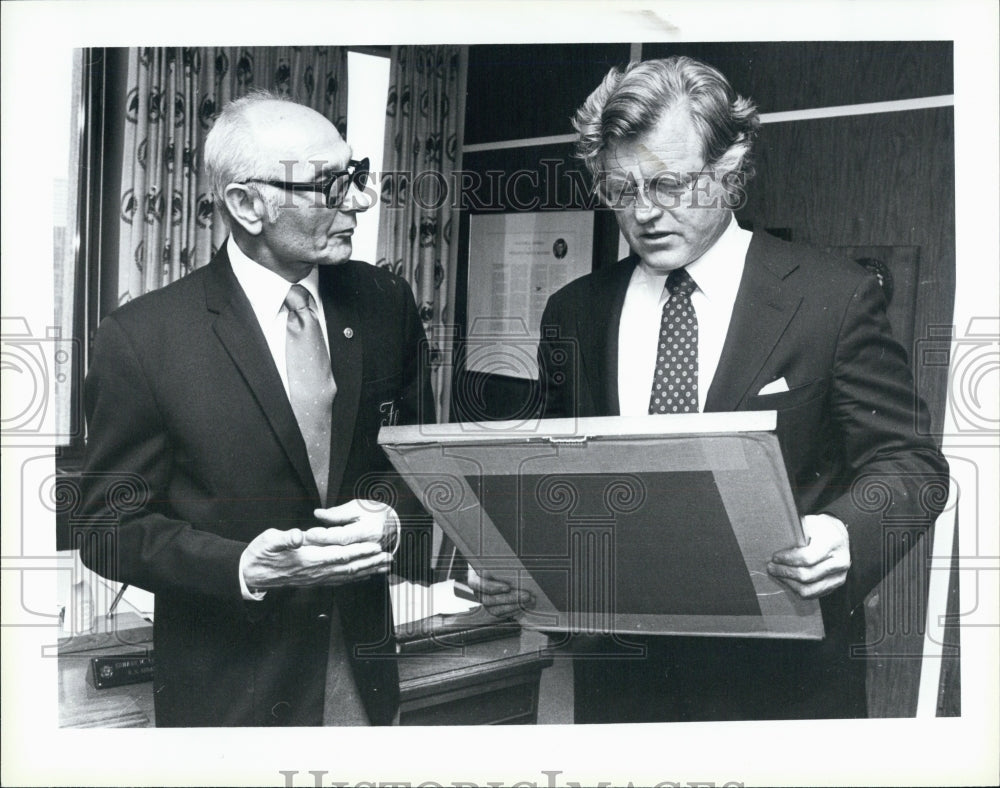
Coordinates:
[242,405]
[706,316]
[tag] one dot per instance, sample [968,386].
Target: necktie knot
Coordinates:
[680,283]
[298,298]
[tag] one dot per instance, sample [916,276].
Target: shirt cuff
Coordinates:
[392,539]
[248,595]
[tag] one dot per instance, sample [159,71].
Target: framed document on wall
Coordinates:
[516,261]
[655,525]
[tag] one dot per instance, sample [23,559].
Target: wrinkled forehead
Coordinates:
[672,145]
[639,159]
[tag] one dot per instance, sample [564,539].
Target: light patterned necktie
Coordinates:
[675,382]
[310,382]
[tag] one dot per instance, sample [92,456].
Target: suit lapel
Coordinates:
[346,332]
[239,332]
[765,304]
[600,365]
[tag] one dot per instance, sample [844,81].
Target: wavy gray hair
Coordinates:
[629,102]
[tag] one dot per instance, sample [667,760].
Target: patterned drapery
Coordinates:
[415,228]
[167,223]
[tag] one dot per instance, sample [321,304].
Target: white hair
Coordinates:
[232,156]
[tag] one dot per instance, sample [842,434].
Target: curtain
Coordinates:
[167,223]
[415,228]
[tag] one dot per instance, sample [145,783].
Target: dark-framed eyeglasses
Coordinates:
[334,186]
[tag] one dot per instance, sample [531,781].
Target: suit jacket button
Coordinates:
[348,332]
[323,617]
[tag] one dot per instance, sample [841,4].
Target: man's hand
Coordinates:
[497,597]
[821,566]
[348,551]
[378,521]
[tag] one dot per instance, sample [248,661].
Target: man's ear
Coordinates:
[246,208]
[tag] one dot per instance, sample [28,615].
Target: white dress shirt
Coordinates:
[717,274]
[266,292]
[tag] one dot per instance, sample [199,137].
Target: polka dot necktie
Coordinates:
[675,382]
[310,382]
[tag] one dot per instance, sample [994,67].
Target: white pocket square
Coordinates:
[774,387]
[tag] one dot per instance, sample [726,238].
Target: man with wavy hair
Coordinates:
[705,316]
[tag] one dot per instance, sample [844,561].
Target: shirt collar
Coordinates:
[265,289]
[719,270]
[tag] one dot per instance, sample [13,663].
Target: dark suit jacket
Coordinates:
[194,450]
[847,431]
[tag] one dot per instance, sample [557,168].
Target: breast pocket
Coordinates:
[793,398]
[802,428]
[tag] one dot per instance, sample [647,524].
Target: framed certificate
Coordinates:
[516,261]
[656,525]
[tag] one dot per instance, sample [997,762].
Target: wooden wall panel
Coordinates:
[788,75]
[532,90]
[551,179]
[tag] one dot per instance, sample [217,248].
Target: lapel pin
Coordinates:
[348,332]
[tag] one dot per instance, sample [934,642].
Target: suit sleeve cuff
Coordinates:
[248,595]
